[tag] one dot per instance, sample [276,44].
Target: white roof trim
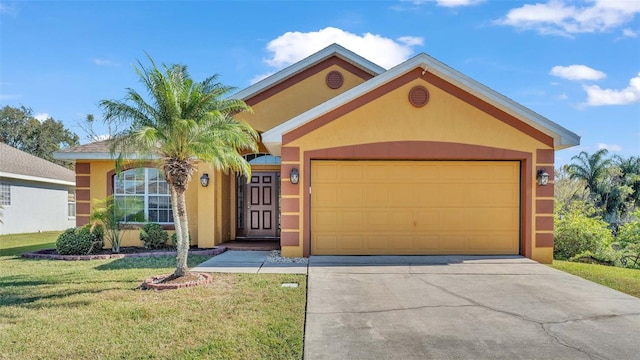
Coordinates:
[35,178]
[93,156]
[321,55]
[562,138]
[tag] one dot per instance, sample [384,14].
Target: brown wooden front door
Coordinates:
[260,201]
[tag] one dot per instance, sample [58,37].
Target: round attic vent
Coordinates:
[418,96]
[334,79]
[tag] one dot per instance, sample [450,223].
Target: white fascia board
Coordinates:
[563,138]
[272,138]
[304,64]
[94,156]
[36,178]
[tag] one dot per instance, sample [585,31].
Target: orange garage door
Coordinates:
[415,207]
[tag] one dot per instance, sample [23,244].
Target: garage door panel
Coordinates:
[409,207]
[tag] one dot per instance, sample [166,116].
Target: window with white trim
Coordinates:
[143,192]
[71,202]
[5,194]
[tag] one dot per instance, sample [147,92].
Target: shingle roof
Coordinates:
[94,147]
[16,163]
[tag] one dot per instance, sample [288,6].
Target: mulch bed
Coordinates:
[52,254]
[168,282]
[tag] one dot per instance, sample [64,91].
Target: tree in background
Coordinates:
[182,122]
[18,128]
[596,191]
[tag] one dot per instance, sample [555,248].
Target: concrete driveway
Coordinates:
[454,307]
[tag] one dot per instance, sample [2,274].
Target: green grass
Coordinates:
[624,280]
[95,309]
[16,244]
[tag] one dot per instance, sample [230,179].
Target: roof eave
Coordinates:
[562,137]
[93,156]
[321,55]
[36,179]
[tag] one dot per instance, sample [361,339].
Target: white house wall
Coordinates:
[36,207]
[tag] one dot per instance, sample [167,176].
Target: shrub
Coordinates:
[80,241]
[629,233]
[174,239]
[576,231]
[631,256]
[153,236]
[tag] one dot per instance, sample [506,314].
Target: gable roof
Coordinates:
[320,56]
[562,138]
[99,150]
[17,164]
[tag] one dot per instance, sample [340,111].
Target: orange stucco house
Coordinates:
[356,159]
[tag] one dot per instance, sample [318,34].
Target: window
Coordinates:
[71,201]
[262,159]
[143,193]
[5,194]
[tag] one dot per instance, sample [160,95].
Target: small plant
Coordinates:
[80,241]
[112,215]
[153,236]
[174,240]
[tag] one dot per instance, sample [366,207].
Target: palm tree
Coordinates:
[182,123]
[590,168]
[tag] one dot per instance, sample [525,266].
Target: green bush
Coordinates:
[153,236]
[174,240]
[80,241]
[629,233]
[631,256]
[577,231]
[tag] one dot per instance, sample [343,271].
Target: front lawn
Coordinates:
[95,309]
[16,244]
[624,280]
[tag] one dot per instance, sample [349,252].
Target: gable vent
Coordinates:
[334,79]
[418,96]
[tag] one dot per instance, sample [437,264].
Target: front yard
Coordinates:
[624,280]
[95,309]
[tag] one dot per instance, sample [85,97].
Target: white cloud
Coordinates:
[41,116]
[101,137]
[562,96]
[104,62]
[562,17]
[577,72]
[450,3]
[295,46]
[610,147]
[629,33]
[599,97]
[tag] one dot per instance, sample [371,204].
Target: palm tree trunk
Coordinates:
[182,231]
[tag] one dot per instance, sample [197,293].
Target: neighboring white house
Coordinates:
[35,194]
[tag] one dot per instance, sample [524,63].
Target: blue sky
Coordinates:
[574,62]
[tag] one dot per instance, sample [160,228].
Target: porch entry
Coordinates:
[258,206]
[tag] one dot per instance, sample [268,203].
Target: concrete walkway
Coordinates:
[446,307]
[252,262]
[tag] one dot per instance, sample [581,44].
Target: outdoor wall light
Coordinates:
[543,177]
[294,176]
[204,180]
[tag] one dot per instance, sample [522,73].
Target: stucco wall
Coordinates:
[36,207]
[449,118]
[296,97]
[94,178]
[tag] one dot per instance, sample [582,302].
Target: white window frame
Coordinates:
[5,194]
[71,204]
[145,195]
